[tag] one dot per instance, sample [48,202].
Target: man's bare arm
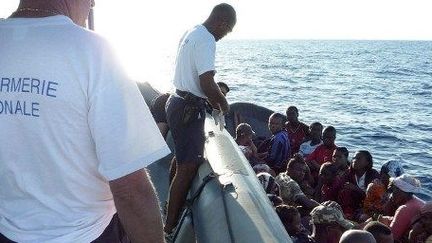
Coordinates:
[137,207]
[212,91]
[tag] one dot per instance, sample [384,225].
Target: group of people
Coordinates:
[319,193]
[77,135]
[77,138]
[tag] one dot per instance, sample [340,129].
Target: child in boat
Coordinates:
[376,192]
[244,135]
[315,140]
[279,150]
[291,219]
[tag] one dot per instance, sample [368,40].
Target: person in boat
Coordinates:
[298,170]
[422,225]
[409,206]
[357,236]
[194,83]
[223,88]
[291,219]
[279,149]
[258,168]
[340,160]
[291,192]
[331,183]
[377,194]
[157,108]
[355,181]
[380,232]
[271,187]
[323,152]
[315,139]
[298,132]
[72,168]
[328,224]
[244,135]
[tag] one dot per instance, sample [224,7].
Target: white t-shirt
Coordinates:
[195,56]
[70,121]
[306,148]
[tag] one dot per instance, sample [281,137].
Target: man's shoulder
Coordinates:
[199,33]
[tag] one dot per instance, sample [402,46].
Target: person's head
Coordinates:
[357,236]
[329,136]
[292,114]
[340,156]
[403,188]
[380,232]
[244,130]
[221,21]
[362,161]
[223,88]
[422,224]
[276,123]
[296,168]
[290,218]
[327,172]
[390,169]
[315,131]
[329,222]
[77,10]
[268,183]
[258,168]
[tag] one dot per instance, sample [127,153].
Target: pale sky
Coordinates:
[145,33]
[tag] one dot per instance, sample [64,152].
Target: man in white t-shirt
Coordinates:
[194,83]
[75,134]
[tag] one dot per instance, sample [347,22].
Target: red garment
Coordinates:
[331,191]
[297,136]
[322,154]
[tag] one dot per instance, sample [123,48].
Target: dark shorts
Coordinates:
[188,137]
[113,233]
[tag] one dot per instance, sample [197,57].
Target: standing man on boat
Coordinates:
[75,134]
[194,83]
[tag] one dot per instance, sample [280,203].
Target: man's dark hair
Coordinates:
[292,108]
[330,129]
[224,85]
[343,150]
[296,159]
[376,228]
[224,11]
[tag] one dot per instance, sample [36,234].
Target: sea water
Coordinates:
[378,94]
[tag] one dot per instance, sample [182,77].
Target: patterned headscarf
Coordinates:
[393,168]
[268,182]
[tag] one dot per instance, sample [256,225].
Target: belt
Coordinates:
[185,95]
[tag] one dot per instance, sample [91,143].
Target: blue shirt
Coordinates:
[279,149]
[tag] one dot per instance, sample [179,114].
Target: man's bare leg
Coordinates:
[179,189]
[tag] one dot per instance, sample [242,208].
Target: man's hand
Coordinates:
[219,119]
[213,93]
